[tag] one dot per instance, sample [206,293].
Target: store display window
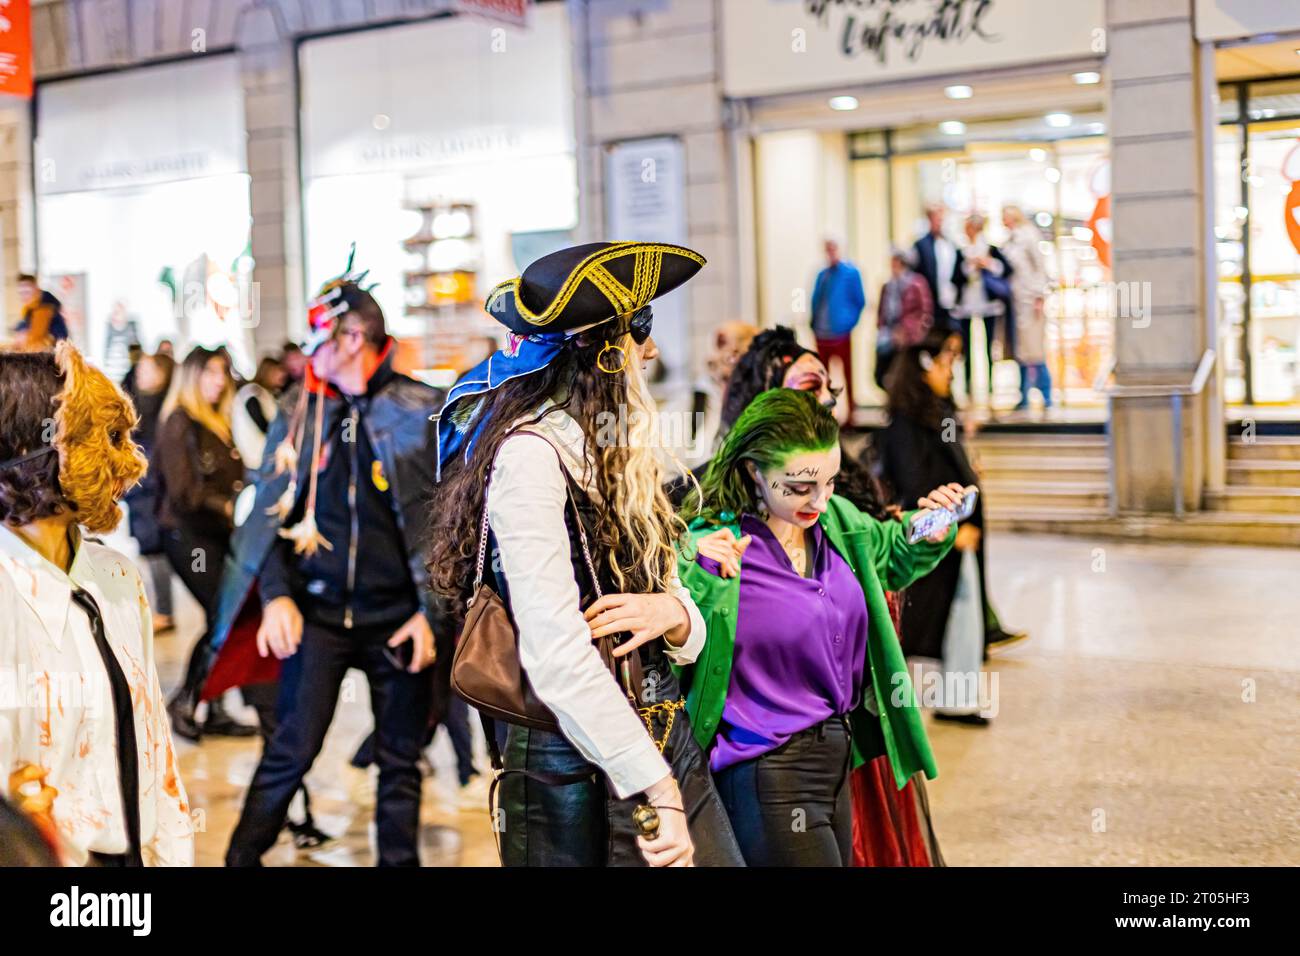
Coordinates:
[1257,232]
[440,165]
[1059,175]
[143,231]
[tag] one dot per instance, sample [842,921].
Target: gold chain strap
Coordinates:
[669,707]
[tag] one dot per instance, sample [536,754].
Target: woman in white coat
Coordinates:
[1028,288]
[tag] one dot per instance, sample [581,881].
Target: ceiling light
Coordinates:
[1086,78]
[959,92]
[952,127]
[1053,174]
[1058,119]
[1038,155]
[844,103]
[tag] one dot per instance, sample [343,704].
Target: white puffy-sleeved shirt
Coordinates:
[56,705]
[526,499]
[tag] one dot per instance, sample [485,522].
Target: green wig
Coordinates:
[776,425]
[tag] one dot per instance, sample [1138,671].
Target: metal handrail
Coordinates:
[1175,394]
[1193,387]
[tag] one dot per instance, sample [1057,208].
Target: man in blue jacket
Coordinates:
[837,304]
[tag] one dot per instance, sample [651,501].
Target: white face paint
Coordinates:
[799,490]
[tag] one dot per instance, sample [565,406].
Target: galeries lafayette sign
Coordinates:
[778,46]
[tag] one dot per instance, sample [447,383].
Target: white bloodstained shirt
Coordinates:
[526,500]
[56,704]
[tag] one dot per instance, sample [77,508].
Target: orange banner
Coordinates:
[16,48]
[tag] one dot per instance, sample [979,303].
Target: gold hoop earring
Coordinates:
[611,348]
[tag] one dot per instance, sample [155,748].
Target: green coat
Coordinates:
[878,553]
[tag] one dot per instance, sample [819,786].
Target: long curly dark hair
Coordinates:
[762,367]
[636,527]
[29,382]
[910,395]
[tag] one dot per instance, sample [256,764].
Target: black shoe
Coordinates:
[974,720]
[224,725]
[998,638]
[306,836]
[221,724]
[181,710]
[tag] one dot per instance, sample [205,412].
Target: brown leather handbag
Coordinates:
[485,669]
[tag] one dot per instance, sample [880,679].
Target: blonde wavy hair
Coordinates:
[636,526]
[184,393]
[633,486]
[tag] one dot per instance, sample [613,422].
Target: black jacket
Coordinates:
[927,265]
[914,460]
[199,475]
[397,427]
[355,513]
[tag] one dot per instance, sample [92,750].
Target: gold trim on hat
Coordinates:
[645,280]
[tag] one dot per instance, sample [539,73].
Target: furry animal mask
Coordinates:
[98,461]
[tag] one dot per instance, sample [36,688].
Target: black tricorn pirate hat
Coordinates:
[584,285]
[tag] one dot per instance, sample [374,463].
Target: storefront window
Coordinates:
[1257,232]
[143,231]
[446,171]
[1274,190]
[1229,235]
[1062,185]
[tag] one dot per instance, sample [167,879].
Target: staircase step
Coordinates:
[1052,495]
[1244,499]
[1213,527]
[1040,446]
[1265,473]
[1264,447]
[1028,468]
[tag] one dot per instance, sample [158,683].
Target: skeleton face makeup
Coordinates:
[799,490]
[98,461]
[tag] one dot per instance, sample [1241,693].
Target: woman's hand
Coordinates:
[725,548]
[673,845]
[646,616]
[945,496]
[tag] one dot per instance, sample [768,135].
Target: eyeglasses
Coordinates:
[639,327]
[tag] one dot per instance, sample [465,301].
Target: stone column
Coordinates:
[1158,213]
[651,68]
[266,53]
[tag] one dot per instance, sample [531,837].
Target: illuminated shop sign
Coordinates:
[781,46]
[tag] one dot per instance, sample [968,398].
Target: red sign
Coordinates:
[1291,205]
[508,11]
[16,48]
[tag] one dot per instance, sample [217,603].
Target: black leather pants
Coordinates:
[581,823]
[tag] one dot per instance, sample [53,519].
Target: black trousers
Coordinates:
[792,806]
[990,331]
[198,560]
[309,687]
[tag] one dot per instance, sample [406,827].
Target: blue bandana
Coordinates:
[459,421]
